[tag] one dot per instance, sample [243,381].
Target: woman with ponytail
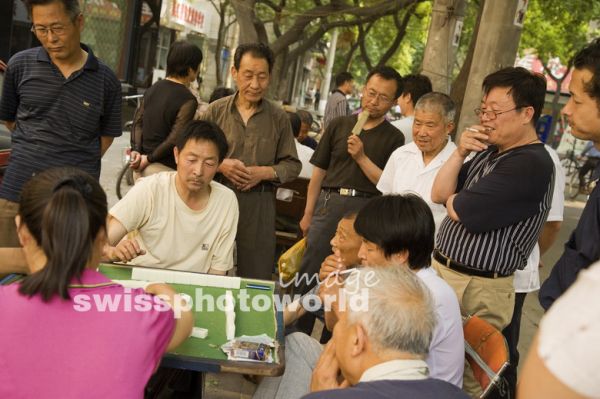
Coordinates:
[66,330]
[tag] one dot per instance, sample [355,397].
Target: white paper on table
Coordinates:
[229,316]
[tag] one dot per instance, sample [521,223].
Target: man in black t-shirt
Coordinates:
[346,169]
[583,113]
[497,202]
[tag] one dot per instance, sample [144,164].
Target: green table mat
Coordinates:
[256,320]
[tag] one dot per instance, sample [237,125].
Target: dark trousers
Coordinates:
[255,239]
[511,333]
[330,208]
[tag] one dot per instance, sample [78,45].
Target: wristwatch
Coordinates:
[275,177]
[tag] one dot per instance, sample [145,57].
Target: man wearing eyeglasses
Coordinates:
[346,170]
[60,102]
[497,202]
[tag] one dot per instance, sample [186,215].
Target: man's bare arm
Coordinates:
[105,142]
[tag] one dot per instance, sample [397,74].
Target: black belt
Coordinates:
[459,267]
[260,187]
[348,192]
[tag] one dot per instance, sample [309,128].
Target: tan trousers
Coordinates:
[492,299]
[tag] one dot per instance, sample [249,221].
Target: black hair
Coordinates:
[589,58]
[182,57]
[257,50]
[388,73]
[416,86]
[342,78]
[526,88]
[305,116]
[71,6]
[295,121]
[203,131]
[218,93]
[64,209]
[399,223]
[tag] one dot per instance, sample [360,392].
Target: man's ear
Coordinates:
[401,257]
[79,22]
[528,115]
[176,154]
[449,127]
[359,340]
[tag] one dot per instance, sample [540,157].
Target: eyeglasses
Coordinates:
[372,94]
[42,31]
[491,114]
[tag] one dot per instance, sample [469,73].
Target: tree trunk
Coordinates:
[440,51]
[219,46]
[244,12]
[457,92]
[497,41]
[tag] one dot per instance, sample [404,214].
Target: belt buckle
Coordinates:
[348,192]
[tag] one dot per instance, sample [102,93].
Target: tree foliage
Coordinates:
[292,27]
[557,28]
[397,40]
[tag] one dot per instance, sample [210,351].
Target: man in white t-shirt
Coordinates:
[413,87]
[179,220]
[528,279]
[413,167]
[304,152]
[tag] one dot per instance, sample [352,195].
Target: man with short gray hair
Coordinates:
[381,340]
[413,167]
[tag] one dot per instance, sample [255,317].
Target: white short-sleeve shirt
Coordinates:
[447,351]
[406,172]
[570,332]
[528,279]
[175,236]
[304,154]
[405,126]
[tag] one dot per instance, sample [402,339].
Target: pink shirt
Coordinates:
[79,348]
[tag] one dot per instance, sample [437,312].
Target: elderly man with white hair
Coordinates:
[381,340]
[413,167]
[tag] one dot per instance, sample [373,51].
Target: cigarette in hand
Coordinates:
[485,130]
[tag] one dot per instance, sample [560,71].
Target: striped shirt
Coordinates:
[59,120]
[502,203]
[337,106]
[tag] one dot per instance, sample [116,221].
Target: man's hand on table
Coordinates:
[125,251]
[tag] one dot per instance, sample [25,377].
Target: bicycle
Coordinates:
[574,188]
[570,163]
[125,178]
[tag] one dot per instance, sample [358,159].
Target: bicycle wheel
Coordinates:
[124,181]
[569,166]
[573,186]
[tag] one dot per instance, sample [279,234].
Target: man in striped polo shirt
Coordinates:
[62,105]
[497,202]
